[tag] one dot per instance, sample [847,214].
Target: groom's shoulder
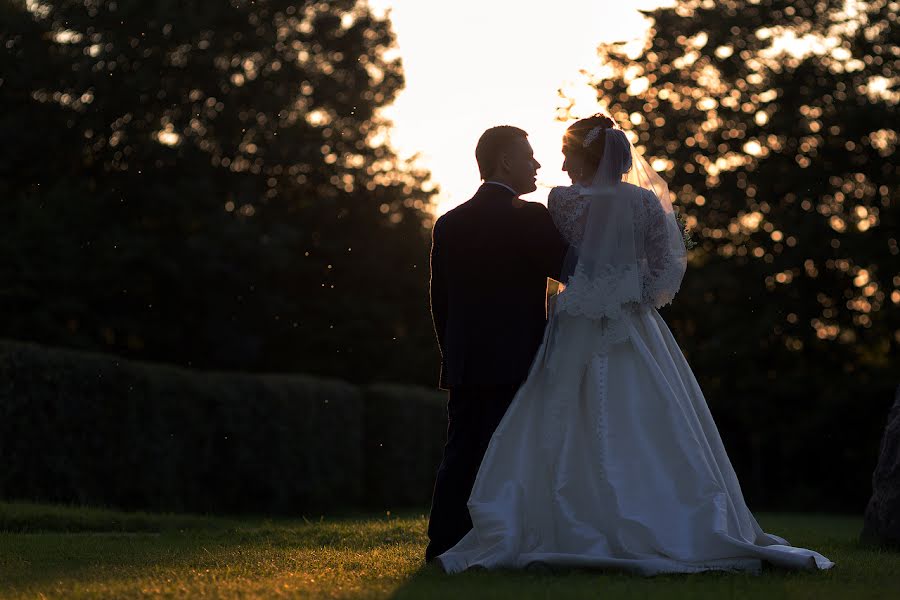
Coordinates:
[448,217]
[534,213]
[448,220]
[533,208]
[457,214]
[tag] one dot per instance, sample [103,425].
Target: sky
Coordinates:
[473,64]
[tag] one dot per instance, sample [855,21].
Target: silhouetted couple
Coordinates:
[583,440]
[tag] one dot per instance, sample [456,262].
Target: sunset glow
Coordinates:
[490,63]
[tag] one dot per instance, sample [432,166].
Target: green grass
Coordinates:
[60,552]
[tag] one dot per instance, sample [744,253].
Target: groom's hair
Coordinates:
[494,142]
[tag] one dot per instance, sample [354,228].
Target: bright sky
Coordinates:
[473,64]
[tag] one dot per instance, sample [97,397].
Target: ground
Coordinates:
[60,552]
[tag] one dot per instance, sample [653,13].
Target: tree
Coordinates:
[775,124]
[211,185]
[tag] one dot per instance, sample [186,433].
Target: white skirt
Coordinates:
[608,457]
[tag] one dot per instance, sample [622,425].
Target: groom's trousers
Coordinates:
[473,414]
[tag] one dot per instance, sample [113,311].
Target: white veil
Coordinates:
[632,251]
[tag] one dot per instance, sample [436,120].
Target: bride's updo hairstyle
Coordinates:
[573,140]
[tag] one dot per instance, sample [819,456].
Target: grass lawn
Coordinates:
[58,552]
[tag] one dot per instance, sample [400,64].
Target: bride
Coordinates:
[608,455]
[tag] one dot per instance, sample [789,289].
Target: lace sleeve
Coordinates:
[567,208]
[665,259]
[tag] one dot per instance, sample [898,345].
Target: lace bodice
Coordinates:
[658,268]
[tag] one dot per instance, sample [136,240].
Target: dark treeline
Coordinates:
[211,185]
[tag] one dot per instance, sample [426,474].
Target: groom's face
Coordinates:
[522,167]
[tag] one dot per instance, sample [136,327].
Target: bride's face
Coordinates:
[574,166]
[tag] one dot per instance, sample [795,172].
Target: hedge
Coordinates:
[405,431]
[95,430]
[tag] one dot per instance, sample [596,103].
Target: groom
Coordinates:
[490,260]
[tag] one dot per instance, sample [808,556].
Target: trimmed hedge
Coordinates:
[406,428]
[93,429]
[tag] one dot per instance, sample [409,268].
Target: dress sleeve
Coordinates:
[665,258]
[567,209]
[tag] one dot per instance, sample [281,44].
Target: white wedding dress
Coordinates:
[608,456]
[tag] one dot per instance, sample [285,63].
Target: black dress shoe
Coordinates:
[435,563]
[539,568]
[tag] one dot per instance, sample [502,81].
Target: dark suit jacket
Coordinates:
[490,260]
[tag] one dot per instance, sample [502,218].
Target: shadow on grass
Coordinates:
[430,582]
[861,572]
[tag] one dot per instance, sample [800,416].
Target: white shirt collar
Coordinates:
[503,185]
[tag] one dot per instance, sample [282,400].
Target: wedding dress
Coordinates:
[608,456]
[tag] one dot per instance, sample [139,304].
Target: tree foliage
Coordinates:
[775,124]
[212,185]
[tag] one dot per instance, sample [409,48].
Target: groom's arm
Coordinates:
[438,294]
[551,244]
